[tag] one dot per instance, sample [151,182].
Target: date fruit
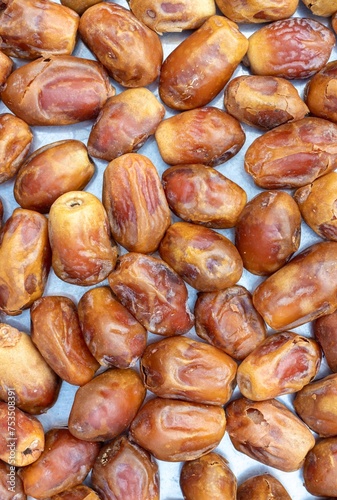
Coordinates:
[257,11]
[124,470]
[325,331]
[205,259]
[153,293]
[293,154]
[57,90]
[135,202]
[320,92]
[83,252]
[6,66]
[320,468]
[64,464]
[79,6]
[111,401]
[228,320]
[11,487]
[282,364]
[208,477]
[176,431]
[268,232]
[112,334]
[262,487]
[80,492]
[268,432]
[51,171]
[200,66]
[185,369]
[130,51]
[203,195]
[323,8]
[290,48]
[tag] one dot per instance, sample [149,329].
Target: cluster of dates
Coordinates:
[106,244]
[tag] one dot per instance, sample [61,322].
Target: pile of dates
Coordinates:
[168,249]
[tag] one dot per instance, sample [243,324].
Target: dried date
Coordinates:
[257,11]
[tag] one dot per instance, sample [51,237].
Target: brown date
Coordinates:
[124,470]
[25,372]
[64,464]
[130,51]
[153,293]
[135,202]
[125,123]
[176,431]
[257,11]
[293,154]
[320,468]
[323,8]
[263,101]
[262,487]
[334,22]
[51,171]
[11,487]
[208,477]
[83,252]
[79,6]
[268,432]
[30,28]
[203,195]
[111,401]
[317,203]
[24,260]
[325,331]
[316,404]
[205,259]
[15,140]
[282,364]
[302,290]
[228,320]
[6,66]
[112,334]
[80,492]
[56,332]
[290,48]
[217,47]
[29,435]
[185,369]
[268,232]
[320,92]
[57,90]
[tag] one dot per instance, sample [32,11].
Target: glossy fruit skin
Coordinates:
[319,469]
[6,67]
[320,91]
[80,492]
[262,487]
[257,11]
[79,6]
[321,7]
[11,487]
[325,332]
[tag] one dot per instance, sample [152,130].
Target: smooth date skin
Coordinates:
[325,332]
[320,467]
[262,487]
[257,11]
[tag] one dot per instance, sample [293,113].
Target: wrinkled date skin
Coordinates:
[208,136]
[45,28]
[29,435]
[56,332]
[217,47]
[263,101]
[6,66]
[104,407]
[83,252]
[57,90]
[172,16]
[268,432]
[324,8]
[208,477]
[316,404]
[302,290]
[15,140]
[325,331]
[228,320]
[113,335]
[318,205]
[257,11]
[79,6]
[153,293]
[293,154]
[268,232]
[320,468]
[130,51]
[64,464]
[176,431]
[262,487]
[124,470]
[290,48]
[24,370]
[320,92]
[51,171]
[24,260]
[5,491]
[77,493]
[182,368]
[205,259]
[125,123]
[135,202]
[203,195]
[281,364]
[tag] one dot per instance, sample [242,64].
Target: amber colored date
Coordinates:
[79,6]
[257,11]
[6,66]
[325,331]
[80,492]
[319,469]
[262,487]
[320,95]
[8,486]
[324,8]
